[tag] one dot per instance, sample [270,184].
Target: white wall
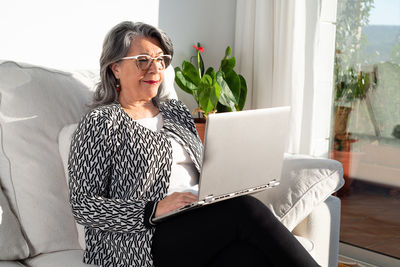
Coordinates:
[69,34]
[210,22]
[65,34]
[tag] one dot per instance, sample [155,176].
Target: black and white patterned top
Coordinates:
[118,171]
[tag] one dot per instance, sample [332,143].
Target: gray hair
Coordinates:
[116,46]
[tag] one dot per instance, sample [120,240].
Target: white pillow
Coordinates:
[305,183]
[12,243]
[36,103]
[64,143]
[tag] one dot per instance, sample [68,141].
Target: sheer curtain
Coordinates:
[277,46]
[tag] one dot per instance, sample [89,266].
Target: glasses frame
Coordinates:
[149,57]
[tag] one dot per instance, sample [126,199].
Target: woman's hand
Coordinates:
[174,201]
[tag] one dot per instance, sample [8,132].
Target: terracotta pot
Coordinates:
[343,157]
[200,127]
[341,118]
[342,153]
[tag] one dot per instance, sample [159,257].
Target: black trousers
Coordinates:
[236,232]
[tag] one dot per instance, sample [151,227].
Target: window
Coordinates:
[366,130]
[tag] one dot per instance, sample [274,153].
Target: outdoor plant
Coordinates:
[220,91]
[352,85]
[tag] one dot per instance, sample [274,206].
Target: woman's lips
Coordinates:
[151,82]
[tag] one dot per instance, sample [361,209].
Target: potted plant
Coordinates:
[351,86]
[213,91]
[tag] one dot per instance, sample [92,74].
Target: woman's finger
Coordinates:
[190,196]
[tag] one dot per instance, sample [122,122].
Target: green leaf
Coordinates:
[226,98]
[210,71]
[217,94]
[221,108]
[228,51]
[190,72]
[243,93]
[233,81]
[227,64]
[206,93]
[184,83]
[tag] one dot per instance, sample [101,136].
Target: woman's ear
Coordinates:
[115,67]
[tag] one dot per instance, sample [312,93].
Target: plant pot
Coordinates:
[200,127]
[341,118]
[344,156]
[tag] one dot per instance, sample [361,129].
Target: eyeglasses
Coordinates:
[143,62]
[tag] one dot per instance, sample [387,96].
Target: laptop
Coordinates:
[243,154]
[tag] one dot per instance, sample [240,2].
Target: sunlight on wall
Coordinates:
[65,34]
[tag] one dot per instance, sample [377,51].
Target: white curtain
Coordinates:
[276,42]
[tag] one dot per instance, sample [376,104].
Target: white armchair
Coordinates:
[305,205]
[322,228]
[37,227]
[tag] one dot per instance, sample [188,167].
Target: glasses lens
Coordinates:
[166,60]
[143,62]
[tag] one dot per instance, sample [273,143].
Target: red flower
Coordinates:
[200,49]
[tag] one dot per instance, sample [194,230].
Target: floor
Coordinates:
[371,218]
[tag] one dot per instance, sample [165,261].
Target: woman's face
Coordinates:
[136,83]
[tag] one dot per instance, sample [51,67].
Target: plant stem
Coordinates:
[198,63]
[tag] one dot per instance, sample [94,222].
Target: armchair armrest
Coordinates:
[303,203]
[322,228]
[306,182]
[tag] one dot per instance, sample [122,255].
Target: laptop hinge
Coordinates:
[208,198]
[273,183]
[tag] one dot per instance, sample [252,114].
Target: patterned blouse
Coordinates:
[118,171]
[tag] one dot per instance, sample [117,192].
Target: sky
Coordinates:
[385,12]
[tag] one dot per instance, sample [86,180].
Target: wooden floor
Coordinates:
[371,219]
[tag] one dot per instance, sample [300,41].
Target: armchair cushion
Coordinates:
[35,104]
[305,183]
[10,264]
[64,143]
[65,258]
[12,243]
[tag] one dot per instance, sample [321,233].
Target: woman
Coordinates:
[134,157]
